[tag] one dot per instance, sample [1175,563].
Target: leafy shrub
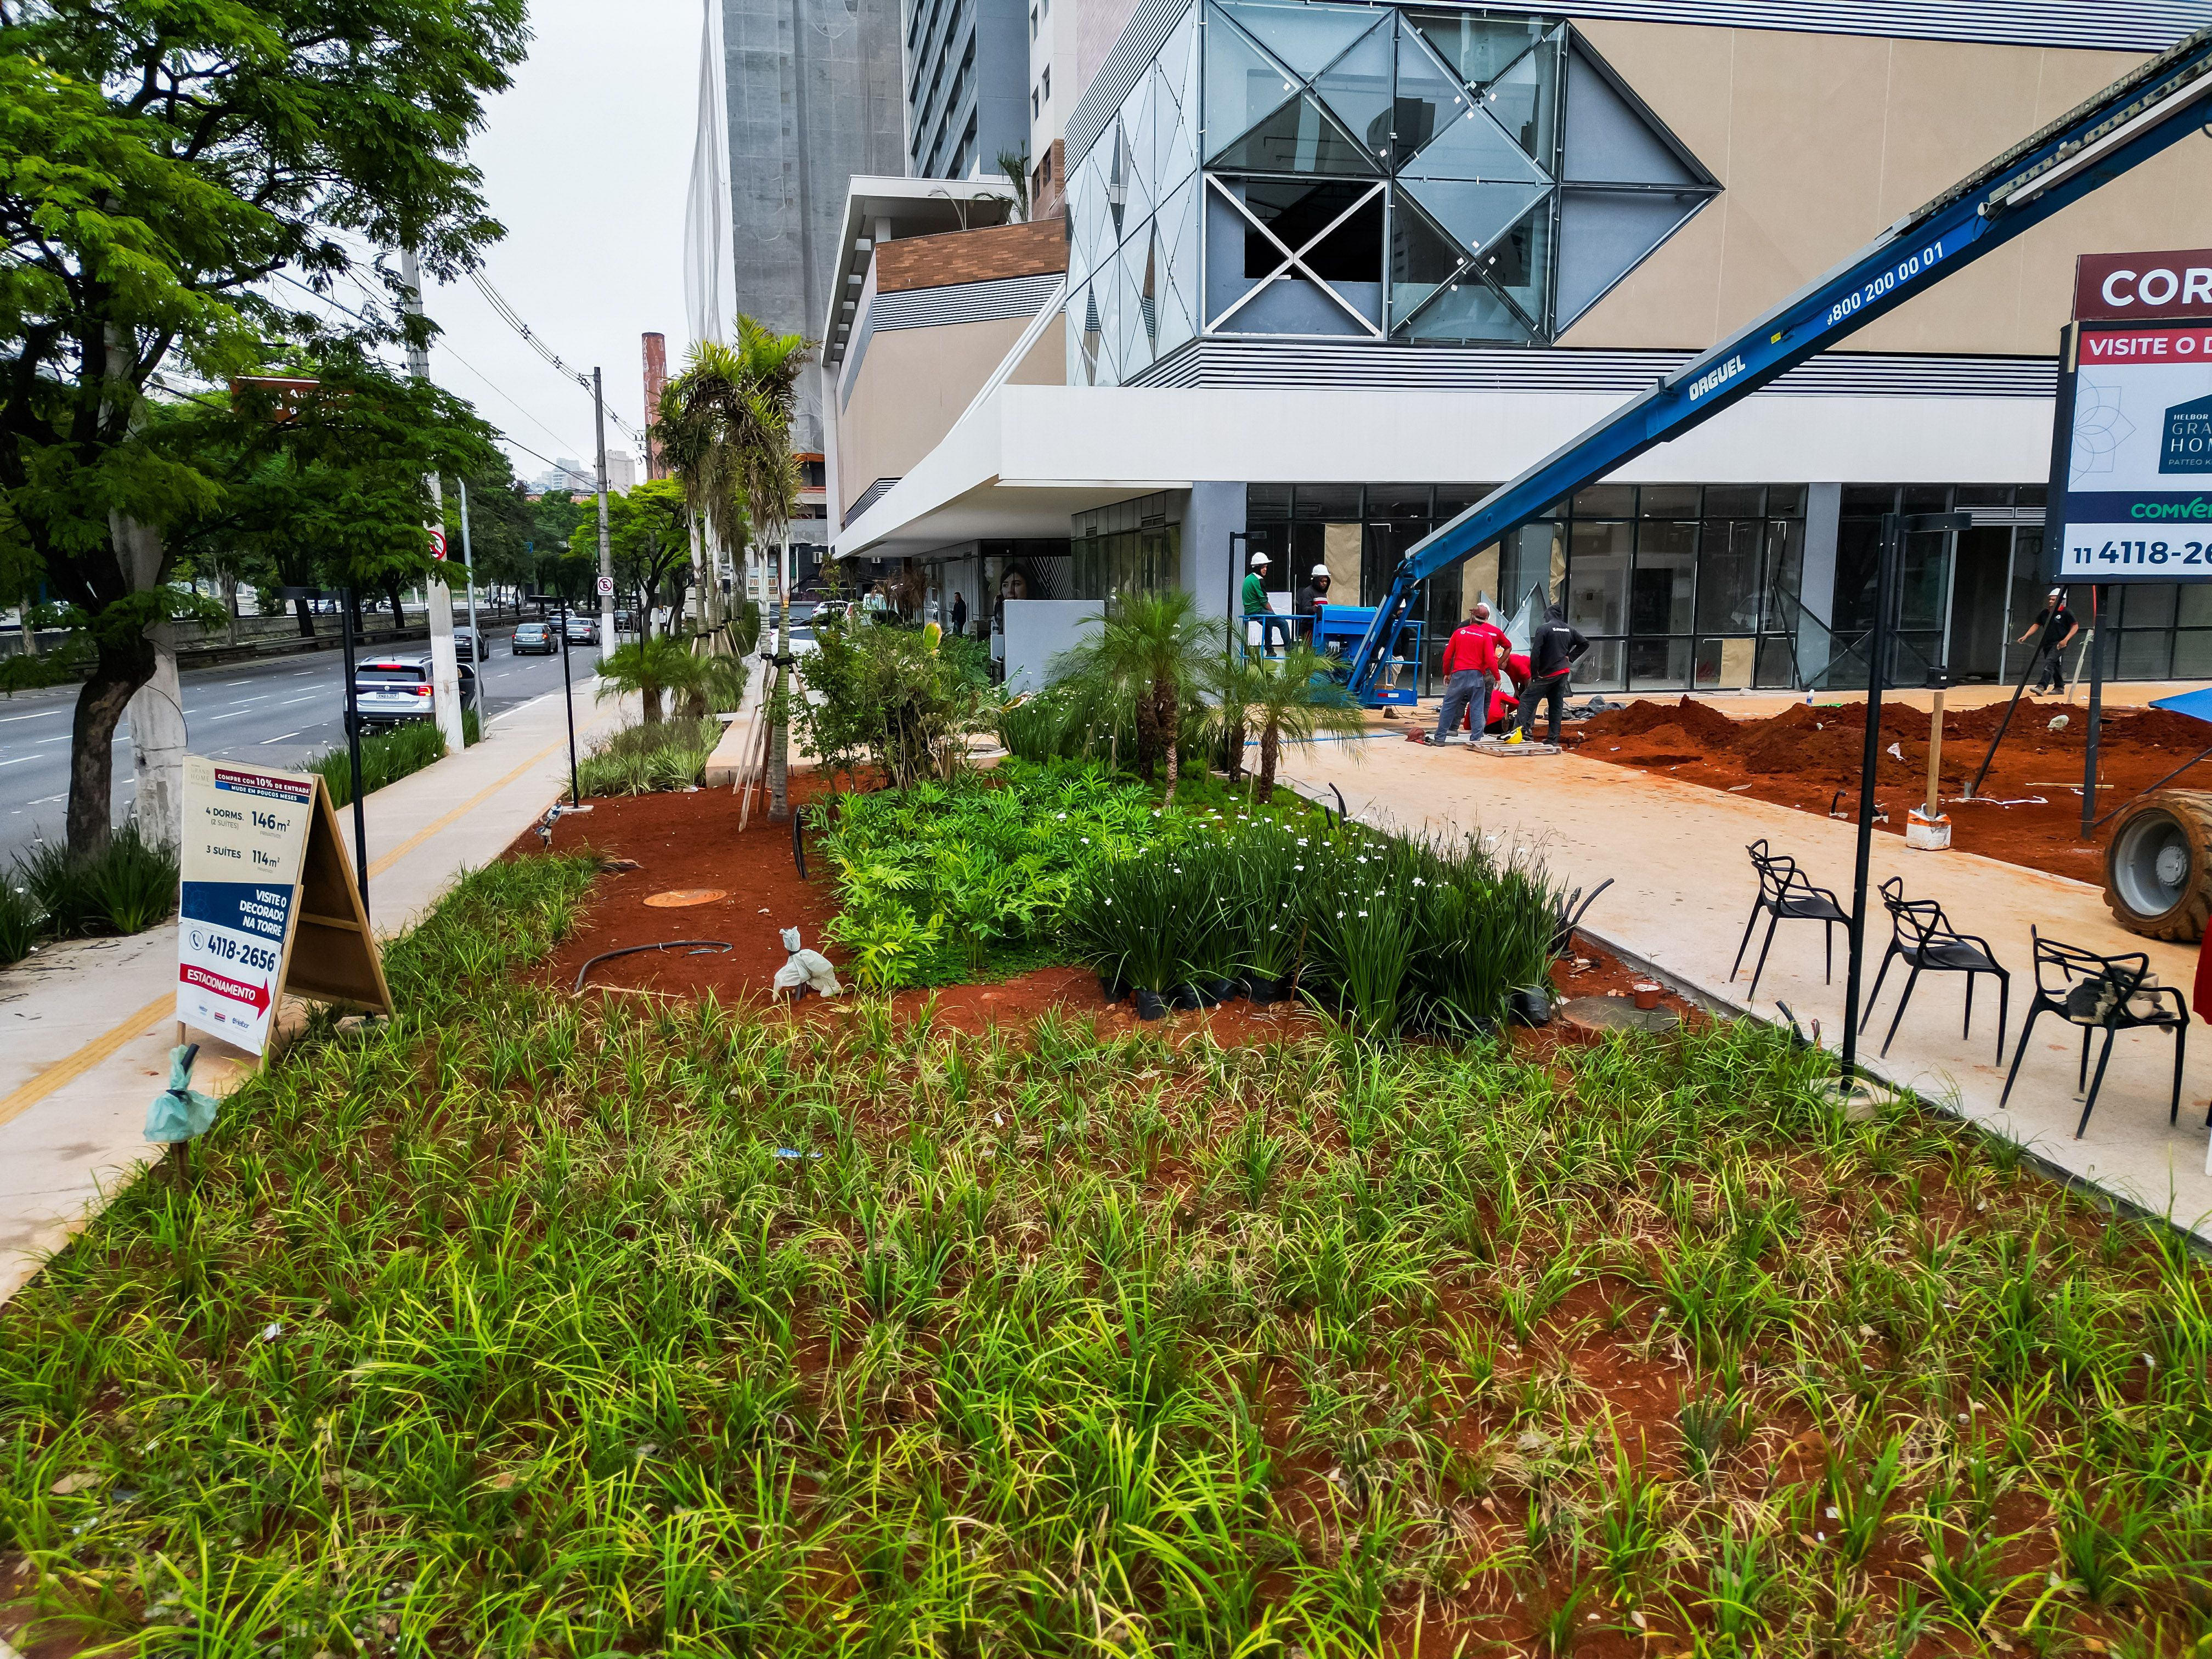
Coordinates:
[892,697]
[1393,935]
[56,666]
[127,887]
[19,917]
[649,759]
[935,880]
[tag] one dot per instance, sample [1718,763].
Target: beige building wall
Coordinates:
[1822,141]
[914,382]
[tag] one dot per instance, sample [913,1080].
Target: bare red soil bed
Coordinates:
[2028,809]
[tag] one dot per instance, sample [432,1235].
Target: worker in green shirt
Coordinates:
[1256,608]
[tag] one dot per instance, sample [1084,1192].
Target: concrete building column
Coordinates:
[1214,512]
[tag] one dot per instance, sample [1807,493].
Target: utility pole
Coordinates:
[445,668]
[476,633]
[606,552]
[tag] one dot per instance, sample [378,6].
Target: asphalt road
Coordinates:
[277,713]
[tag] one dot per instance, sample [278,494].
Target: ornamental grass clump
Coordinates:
[525,1324]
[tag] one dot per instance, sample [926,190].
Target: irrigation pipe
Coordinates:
[706,947]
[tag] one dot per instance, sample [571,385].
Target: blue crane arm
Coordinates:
[2153,108]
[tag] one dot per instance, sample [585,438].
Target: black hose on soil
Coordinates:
[706,947]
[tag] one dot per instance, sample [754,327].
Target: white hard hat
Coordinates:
[1260,558]
[1318,570]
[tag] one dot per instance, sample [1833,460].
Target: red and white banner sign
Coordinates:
[2146,287]
[2147,346]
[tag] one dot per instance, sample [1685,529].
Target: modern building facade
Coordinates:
[815,96]
[1334,271]
[966,63]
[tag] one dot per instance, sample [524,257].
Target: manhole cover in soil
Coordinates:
[1616,1014]
[676,897]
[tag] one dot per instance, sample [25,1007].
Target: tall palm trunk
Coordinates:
[1271,746]
[1168,716]
[779,752]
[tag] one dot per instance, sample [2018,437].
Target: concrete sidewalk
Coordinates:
[86,1025]
[1684,889]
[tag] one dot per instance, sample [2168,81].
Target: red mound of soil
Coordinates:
[1704,726]
[1663,746]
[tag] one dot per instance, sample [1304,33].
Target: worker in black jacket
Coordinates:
[1554,647]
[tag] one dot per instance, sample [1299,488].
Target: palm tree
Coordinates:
[647,666]
[726,427]
[708,682]
[1294,699]
[1151,648]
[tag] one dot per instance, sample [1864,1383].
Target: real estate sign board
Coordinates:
[2131,449]
[267,906]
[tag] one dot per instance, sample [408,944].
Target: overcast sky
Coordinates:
[585,161]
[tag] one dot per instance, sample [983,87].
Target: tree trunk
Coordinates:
[1271,746]
[399,615]
[158,741]
[1170,720]
[229,585]
[119,669]
[779,754]
[307,618]
[30,633]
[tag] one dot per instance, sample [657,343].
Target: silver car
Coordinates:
[398,691]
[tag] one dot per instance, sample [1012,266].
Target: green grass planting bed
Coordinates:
[532,1326]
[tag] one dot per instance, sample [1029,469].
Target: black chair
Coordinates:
[2097,993]
[1787,895]
[1923,936]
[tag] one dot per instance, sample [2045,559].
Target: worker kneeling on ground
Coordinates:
[1504,704]
[1470,668]
[1554,647]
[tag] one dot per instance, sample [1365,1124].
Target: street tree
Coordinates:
[160,164]
[648,537]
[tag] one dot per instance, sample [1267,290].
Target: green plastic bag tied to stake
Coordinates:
[180,1112]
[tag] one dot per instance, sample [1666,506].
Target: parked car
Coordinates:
[583,629]
[536,638]
[464,642]
[397,691]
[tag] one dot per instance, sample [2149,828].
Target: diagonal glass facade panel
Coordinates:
[1092,218]
[1473,212]
[1299,137]
[1175,137]
[1469,311]
[1607,140]
[1244,84]
[1132,339]
[1356,88]
[1106,300]
[1519,263]
[1525,98]
[1478,48]
[1308,38]
[1136,131]
[1605,235]
[1176,236]
[1429,99]
[1424,257]
[1475,147]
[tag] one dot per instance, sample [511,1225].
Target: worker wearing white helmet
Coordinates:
[1257,608]
[1312,596]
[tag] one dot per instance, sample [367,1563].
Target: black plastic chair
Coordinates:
[1786,895]
[2095,993]
[1923,936]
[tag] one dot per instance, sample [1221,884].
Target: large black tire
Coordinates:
[2158,866]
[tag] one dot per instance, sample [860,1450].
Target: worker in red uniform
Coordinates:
[1470,670]
[1505,704]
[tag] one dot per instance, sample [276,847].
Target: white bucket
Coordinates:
[1927,834]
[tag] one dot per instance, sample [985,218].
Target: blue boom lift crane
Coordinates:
[2136,117]
[2143,113]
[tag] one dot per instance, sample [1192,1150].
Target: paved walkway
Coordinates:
[1683,890]
[85,1026]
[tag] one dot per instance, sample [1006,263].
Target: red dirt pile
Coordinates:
[1702,726]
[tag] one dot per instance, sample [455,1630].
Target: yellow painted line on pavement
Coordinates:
[62,1073]
[377,867]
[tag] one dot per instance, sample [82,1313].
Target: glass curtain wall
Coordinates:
[1677,587]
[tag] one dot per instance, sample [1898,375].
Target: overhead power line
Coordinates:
[507,315]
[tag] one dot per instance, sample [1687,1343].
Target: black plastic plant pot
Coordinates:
[1264,991]
[1151,1004]
[1186,998]
[1113,990]
[1530,1005]
[1222,990]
